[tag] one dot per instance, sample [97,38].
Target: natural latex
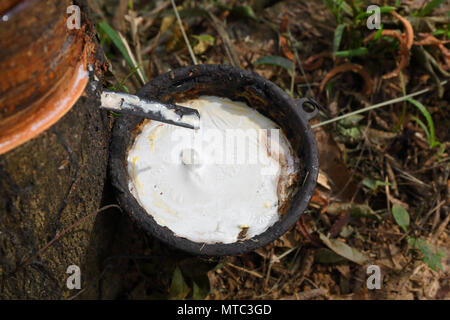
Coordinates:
[205,186]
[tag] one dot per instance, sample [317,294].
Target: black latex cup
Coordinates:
[237,85]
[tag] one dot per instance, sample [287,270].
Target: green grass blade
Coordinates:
[424,127]
[429,7]
[338,36]
[440,32]
[115,38]
[375,106]
[378,33]
[352,53]
[345,6]
[275,61]
[112,34]
[364,15]
[335,6]
[427,116]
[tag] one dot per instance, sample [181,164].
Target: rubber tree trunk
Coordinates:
[48,184]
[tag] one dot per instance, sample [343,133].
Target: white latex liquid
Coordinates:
[194,190]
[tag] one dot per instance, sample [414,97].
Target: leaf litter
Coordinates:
[357,214]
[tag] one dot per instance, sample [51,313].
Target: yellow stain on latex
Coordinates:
[162,205]
[160,220]
[155,134]
[139,185]
[152,146]
[134,160]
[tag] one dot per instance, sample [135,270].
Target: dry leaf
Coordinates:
[344,250]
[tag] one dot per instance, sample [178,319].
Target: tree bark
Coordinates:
[47,185]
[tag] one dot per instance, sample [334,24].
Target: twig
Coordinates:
[157,10]
[299,62]
[278,259]
[391,176]
[442,227]
[231,274]
[375,106]
[120,11]
[152,55]
[291,89]
[297,58]
[443,162]
[388,195]
[253,273]
[228,45]
[429,213]
[180,23]
[412,178]
[133,59]
[269,270]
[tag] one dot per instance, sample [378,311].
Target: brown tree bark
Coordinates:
[46,185]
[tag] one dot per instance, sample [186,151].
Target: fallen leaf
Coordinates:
[324,255]
[319,199]
[344,270]
[178,289]
[379,137]
[204,42]
[374,184]
[401,216]
[344,250]
[275,61]
[244,12]
[166,22]
[330,161]
[322,180]
[342,220]
[363,210]
[304,230]
[198,293]
[356,210]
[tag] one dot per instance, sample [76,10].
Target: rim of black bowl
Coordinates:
[122,138]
